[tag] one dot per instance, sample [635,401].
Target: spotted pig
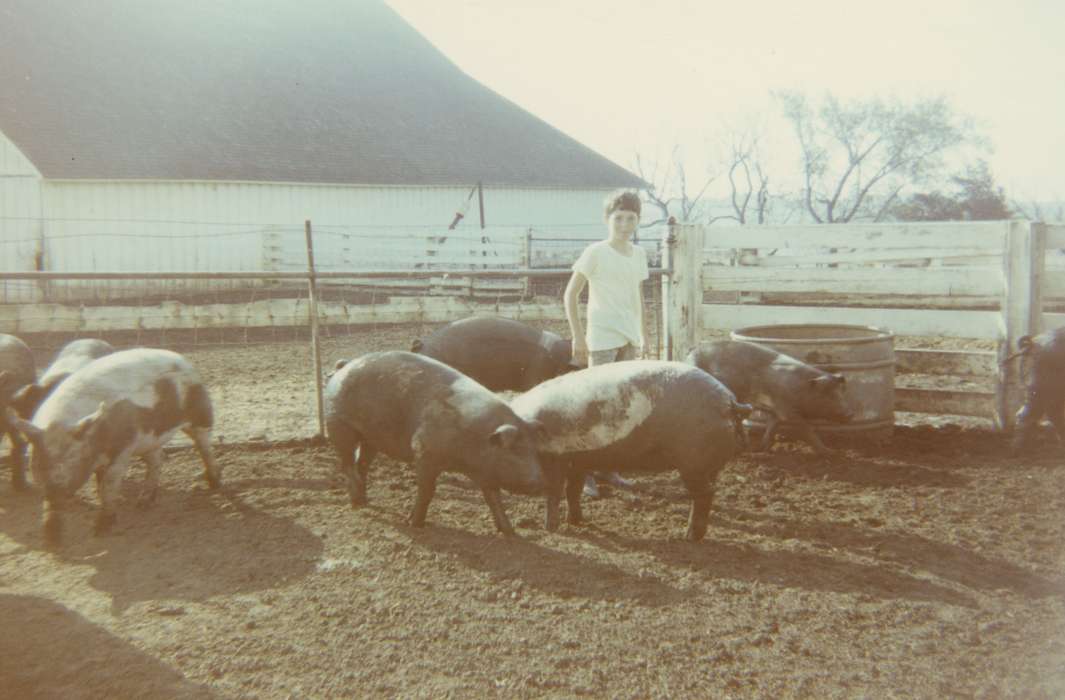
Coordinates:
[649,416]
[125,405]
[72,357]
[16,371]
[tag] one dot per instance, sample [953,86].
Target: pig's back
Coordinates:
[129,374]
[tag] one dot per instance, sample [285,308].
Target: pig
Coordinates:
[72,357]
[1045,386]
[16,371]
[788,390]
[127,404]
[499,353]
[648,416]
[419,410]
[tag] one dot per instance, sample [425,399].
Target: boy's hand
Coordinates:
[580,351]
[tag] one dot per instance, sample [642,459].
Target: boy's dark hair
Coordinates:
[621,200]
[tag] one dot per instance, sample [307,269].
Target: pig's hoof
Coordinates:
[213,482]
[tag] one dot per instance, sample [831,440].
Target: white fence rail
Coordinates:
[975,280]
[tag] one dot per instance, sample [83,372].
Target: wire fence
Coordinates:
[250,331]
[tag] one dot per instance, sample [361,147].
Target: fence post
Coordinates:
[526,262]
[313,310]
[684,307]
[1022,310]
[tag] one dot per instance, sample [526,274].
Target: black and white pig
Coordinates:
[16,371]
[125,405]
[72,357]
[499,353]
[788,390]
[416,409]
[1045,386]
[648,416]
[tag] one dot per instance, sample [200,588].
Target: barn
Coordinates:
[175,136]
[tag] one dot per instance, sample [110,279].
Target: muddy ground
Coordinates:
[933,566]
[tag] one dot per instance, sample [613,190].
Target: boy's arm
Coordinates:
[570,299]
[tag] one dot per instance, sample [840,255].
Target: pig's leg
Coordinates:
[201,438]
[814,439]
[1056,413]
[701,489]
[345,441]
[18,458]
[200,416]
[772,423]
[109,486]
[1027,420]
[54,501]
[153,461]
[554,479]
[574,489]
[495,504]
[362,470]
[426,490]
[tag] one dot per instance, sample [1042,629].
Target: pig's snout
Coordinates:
[530,483]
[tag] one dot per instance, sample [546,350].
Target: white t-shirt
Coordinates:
[613,295]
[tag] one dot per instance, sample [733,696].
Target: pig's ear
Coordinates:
[88,421]
[339,365]
[31,431]
[504,436]
[26,398]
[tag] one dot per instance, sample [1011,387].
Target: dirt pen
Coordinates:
[931,566]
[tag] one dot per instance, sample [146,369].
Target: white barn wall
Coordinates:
[20,230]
[162,226]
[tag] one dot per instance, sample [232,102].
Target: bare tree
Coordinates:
[858,156]
[1037,211]
[747,177]
[667,188]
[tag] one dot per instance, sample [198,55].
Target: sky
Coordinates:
[626,77]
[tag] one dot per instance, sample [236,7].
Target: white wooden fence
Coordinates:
[980,280]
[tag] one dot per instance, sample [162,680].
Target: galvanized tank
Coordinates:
[863,354]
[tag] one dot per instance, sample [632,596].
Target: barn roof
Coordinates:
[331,91]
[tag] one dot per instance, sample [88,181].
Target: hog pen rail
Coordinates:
[983,280]
[991,281]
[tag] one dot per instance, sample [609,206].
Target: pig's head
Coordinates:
[63,456]
[823,397]
[506,456]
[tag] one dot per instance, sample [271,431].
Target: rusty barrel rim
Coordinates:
[750,333]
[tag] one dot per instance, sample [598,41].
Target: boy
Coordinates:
[614,270]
